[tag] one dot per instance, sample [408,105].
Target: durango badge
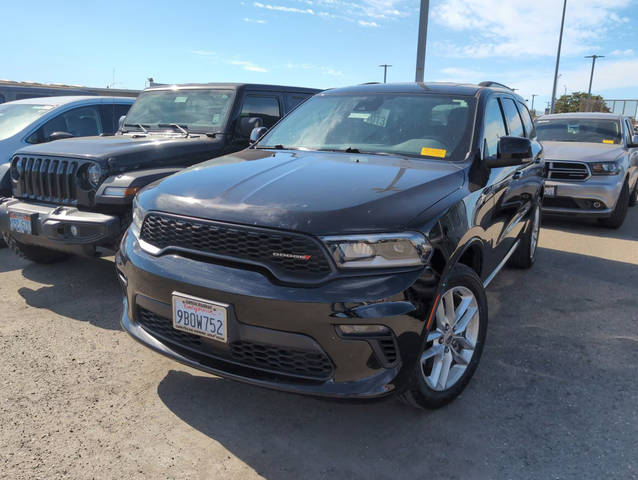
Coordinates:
[291,255]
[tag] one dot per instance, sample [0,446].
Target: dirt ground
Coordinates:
[554,397]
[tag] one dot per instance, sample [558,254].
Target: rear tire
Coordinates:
[525,254]
[617,217]
[454,344]
[32,252]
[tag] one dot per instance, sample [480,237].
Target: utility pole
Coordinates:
[422,40]
[534,95]
[385,71]
[560,43]
[591,77]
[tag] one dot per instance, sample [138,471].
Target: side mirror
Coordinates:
[634,142]
[257,133]
[512,151]
[120,122]
[60,136]
[248,124]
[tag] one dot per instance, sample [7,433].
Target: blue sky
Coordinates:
[321,43]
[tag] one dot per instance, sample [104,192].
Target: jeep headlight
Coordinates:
[94,174]
[605,168]
[408,249]
[138,219]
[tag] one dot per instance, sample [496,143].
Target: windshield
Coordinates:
[435,126]
[194,109]
[578,130]
[15,117]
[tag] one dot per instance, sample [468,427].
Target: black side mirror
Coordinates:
[60,136]
[512,151]
[248,124]
[257,133]
[120,123]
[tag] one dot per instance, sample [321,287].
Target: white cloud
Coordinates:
[251,67]
[309,66]
[622,53]
[363,23]
[282,8]
[204,53]
[255,20]
[519,27]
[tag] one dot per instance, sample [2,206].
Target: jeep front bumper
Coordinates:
[61,228]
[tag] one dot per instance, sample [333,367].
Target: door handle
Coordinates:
[517,174]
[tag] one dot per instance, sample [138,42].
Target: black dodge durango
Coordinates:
[346,252]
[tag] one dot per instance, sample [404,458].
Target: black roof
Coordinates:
[433,87]
[235,86]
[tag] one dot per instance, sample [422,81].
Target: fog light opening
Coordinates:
[362,330]
[75,231]
[597,204]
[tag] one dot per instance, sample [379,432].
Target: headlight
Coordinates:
[16,168]
[407,249]
[138,219]
[605,168]
[94,174]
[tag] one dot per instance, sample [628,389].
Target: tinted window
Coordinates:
[629,133]
[527,120]
[79,122]
[513,118]
[422,125]
[578,130]
[266,108]
[494,128]
[293,100]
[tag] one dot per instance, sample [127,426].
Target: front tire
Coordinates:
[617,217]
[633,199]
[32,252]
[454,344]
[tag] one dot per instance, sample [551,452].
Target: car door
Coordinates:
[267,106]
[632,154]
[80,122]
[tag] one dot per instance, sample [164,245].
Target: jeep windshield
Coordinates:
[197,110]
[424,125]
[578,130]
[15,117]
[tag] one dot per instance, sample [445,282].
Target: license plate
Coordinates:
[20,222]
[550,190]
[199,316]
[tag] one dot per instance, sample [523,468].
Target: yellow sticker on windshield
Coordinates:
[608,141]
[433,152]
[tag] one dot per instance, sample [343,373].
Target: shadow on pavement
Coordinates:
[9,261]
[592,227]
[538,407]
[84,289]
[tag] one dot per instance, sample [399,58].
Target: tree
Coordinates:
[577,102]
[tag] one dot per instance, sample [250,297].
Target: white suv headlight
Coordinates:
[389,250]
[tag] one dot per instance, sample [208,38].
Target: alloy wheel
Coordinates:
[452,343]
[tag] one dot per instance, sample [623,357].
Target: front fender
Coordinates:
[5,179]
[120,189]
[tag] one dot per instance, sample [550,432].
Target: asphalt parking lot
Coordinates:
[554,397]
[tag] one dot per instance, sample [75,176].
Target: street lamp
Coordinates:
[385,71]
[534,95]
[591,77]
[421,41]
[560,42]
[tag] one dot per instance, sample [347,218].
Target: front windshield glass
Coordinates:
[15,117]
[194,109]
[578,130]
[435,126]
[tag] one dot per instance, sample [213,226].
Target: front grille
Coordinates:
[46,179]
[568,171]
[286,255]
[273,358]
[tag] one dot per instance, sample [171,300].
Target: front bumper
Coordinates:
[287,319]
[595,197]
[51,227]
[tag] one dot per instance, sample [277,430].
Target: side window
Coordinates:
[293,100]
[106,115]
[79,122]
[266,108]
[513,118]
[629,130]
[528,123]
[493,128]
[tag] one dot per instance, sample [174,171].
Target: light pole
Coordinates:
[534,95]
[591,77]
[560,43]
[385,71]
[421,41]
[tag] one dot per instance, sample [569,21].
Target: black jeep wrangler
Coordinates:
[74,196]
[347,252]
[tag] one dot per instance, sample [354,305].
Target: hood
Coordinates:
[130,150]
[319,193]
[582,151]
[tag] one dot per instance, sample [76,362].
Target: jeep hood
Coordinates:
[130,151]
[582,151]
[315,192]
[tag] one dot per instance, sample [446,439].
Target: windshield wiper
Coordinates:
[181,128]
[138,125]
[347,150]
[274,147]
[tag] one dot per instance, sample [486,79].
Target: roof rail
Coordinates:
[370,83]
[494,84]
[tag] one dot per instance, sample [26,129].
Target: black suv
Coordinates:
[74,196]
[346,253]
